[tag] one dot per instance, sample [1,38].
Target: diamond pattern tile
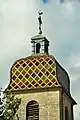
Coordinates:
[17,80]
[17,66]
[46,81]
[40,81]
[33,82]
[23,86]
[17,73]
[13,84]
[20,83]
[24,65]
[33,72]
[49,83]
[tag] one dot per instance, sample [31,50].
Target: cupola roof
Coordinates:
[38,71]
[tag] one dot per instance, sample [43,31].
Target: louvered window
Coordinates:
[32,111]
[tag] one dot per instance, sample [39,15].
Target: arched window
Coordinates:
[66,113]
[32,110]
[38,46]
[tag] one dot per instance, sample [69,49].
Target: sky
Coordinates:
[61,21]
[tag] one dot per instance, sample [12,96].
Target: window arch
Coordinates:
[66,113]
[32,110]
[38,46]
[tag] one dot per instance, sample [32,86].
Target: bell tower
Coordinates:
[42,83]
[39,44]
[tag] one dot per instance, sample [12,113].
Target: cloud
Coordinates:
[64,40]
[17,27]
[18,23]
[68,9]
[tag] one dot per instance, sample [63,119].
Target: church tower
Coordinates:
[42,84]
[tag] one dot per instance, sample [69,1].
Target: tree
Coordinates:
[11,105]
[1,106]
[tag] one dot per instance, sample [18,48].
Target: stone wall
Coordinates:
[48,104]
[67,102]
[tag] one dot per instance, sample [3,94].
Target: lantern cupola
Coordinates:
[39,43]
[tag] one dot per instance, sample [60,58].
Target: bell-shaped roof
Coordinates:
[38,71]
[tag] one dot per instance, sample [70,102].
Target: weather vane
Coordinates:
[40,22]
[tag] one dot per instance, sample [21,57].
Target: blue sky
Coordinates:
[61,25]
[45,1]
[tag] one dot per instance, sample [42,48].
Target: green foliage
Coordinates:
[11,105]
[1,108]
